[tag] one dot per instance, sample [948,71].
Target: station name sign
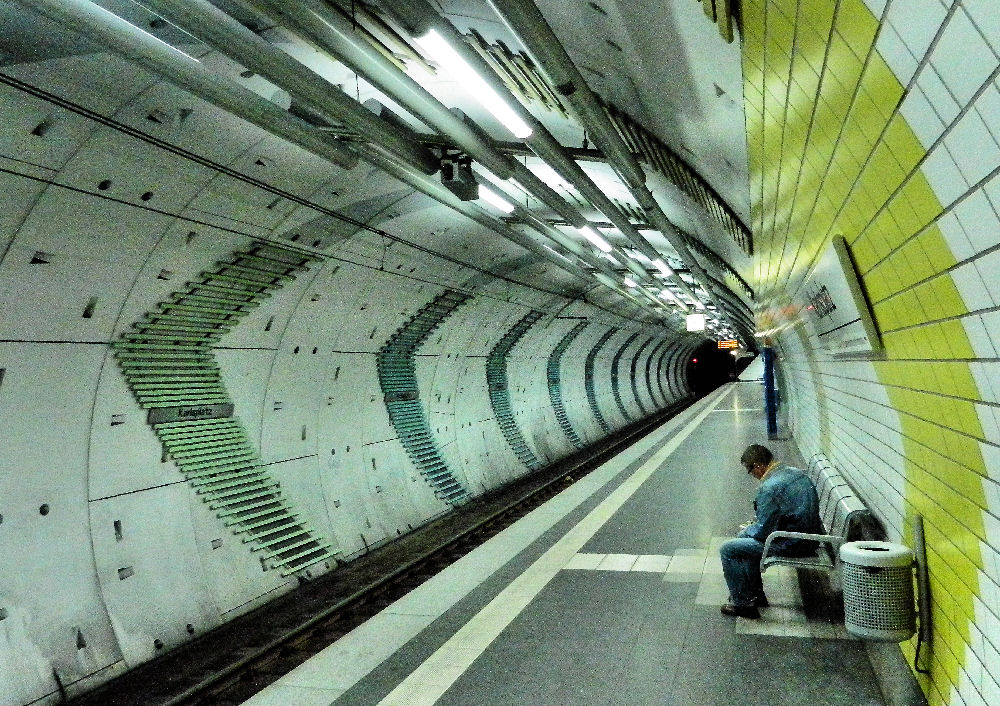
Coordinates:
[162,415]
[834,306]
[728,345]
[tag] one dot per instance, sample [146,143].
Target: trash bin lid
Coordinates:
[871,553]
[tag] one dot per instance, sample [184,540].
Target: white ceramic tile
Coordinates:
[988,266]
[972,147]
[970,285]
[991,321]
[987,420]
[876,6]
[897,56]
[655,563]
[991,690]
[992,191]
[943,176]
[281,695]
[992,491]
[979,338]
[617,562]
[955,237]
[984,15]
[944,104]
[917,22]
[990,656]
[978,219]
[962,58]
[585,561]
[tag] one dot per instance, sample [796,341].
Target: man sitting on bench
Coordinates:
[786,500]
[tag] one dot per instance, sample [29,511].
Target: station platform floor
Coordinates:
[607,594]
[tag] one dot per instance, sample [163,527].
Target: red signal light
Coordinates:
[694,360]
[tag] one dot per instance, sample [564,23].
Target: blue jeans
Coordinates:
[741,567]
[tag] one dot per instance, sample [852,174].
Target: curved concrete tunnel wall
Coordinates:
[111,556]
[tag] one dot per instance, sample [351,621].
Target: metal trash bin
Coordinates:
[878,590]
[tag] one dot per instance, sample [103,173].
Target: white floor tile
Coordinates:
[344,663]
[617,562]
[585,561]
[686,564]
[281,695]
[656,563]
[712,591]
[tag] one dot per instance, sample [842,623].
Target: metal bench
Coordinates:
[839,510]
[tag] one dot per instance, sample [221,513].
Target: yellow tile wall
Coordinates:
[829,86]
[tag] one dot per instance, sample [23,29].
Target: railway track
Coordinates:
[233,662]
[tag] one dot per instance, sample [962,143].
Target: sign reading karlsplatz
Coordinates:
[161,415]
[834,307]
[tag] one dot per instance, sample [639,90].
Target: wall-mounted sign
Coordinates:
[728,345]
[695,322]
[161,415]
[834,305]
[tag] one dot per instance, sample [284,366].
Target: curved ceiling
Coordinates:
[673,226]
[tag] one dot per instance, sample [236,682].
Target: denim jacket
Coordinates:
[786,500]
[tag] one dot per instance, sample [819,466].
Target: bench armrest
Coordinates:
[834,540]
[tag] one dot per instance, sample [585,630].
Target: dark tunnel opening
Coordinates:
[708,367]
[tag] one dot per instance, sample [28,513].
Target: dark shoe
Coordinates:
[741,611]
[760,601]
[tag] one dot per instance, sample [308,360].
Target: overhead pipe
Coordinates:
[211,25]
[526,21]
[418,17]
[570,244]
[332,32]
[431,187]
[187,73]
[326,28]
[329,30]
[129,41]
[413,177]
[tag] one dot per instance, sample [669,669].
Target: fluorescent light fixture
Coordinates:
[695,322]
[607,184]
[591,235]
[668,295]
[630,283]
[663,267]
[549,176]
[517,185]
[639,256]
[611,258]
[495,200]
[452,62]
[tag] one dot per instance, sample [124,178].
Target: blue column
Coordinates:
[770,400]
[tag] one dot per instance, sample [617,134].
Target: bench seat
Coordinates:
[839,510]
